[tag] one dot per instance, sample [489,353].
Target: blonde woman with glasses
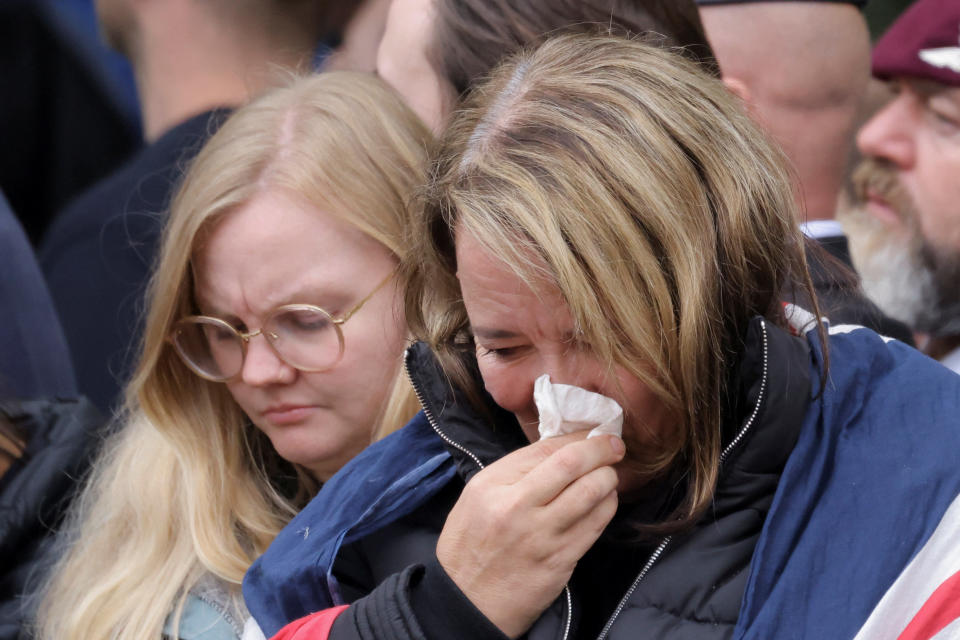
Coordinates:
[272,355]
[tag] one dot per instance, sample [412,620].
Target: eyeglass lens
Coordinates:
[304,337]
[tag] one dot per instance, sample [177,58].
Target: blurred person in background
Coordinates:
[34,358]
[46,445]
[356,49]
[47,436]
[434,51]
[68,116]
[802,70]
[193,60]
[272,355]
[905,227]
[603,214]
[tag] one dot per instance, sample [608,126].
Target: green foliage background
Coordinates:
[881,13]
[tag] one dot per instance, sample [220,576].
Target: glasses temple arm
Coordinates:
[357,306]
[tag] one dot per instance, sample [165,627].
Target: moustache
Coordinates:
[876,178]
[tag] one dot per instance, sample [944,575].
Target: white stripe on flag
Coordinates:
[937,561]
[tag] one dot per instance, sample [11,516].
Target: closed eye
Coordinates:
[502,353]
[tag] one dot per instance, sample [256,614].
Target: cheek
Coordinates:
[935,190]
[242,395]
[361,382]
[646,417]
[510,387]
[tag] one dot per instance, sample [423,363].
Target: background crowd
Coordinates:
[220,238]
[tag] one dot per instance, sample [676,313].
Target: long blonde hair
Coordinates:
[658,208]
[188,486]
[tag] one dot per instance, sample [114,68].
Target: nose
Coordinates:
[575,368]
[263,367]
[889,134]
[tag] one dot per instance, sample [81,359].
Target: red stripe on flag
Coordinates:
[942,608]
[315,626]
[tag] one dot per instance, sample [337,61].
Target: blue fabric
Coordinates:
[872,473]
[874,470]
[34,358]
[385,482]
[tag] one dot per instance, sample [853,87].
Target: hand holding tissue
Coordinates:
[565,409]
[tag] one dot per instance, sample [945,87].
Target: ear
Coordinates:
[739,88]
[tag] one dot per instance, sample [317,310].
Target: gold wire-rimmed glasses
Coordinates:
[304,336]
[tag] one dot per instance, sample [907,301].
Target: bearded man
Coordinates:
[905,231]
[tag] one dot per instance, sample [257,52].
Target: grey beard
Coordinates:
[905,275]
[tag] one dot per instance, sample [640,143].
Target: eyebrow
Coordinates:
[493,334]
[331,301]
[929,89]
[485,333]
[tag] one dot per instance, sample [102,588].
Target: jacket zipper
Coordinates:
[665,542]
[456,445]
[429,413]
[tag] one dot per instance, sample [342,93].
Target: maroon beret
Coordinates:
[924,42]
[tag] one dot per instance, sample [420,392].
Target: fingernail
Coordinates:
[617,445]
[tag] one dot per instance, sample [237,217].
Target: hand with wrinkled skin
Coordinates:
[513,538]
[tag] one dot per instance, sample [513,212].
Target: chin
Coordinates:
[304,452]
[321,459]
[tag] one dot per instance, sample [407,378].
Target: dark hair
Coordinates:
[471,36]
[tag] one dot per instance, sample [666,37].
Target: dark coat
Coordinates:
[98,253]
[62,437]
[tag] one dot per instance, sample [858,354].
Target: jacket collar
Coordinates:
[473,441]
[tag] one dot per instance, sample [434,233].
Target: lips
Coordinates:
[288,413]
[881,208]
[878,188]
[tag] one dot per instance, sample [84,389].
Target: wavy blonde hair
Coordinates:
[631,179]
[187,486]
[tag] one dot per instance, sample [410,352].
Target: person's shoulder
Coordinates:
[142,186]
[880,392]
[386,482]
[53,416]
[874,461]
[63,434]
[856,351]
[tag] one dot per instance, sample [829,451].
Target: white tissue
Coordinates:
[565,409]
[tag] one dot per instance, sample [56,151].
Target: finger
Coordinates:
[514,466]
[579,499]
[585,531]
[570,545]
[565,466]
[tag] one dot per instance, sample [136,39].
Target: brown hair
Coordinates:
[648,194]
[472,36]
[12,443]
